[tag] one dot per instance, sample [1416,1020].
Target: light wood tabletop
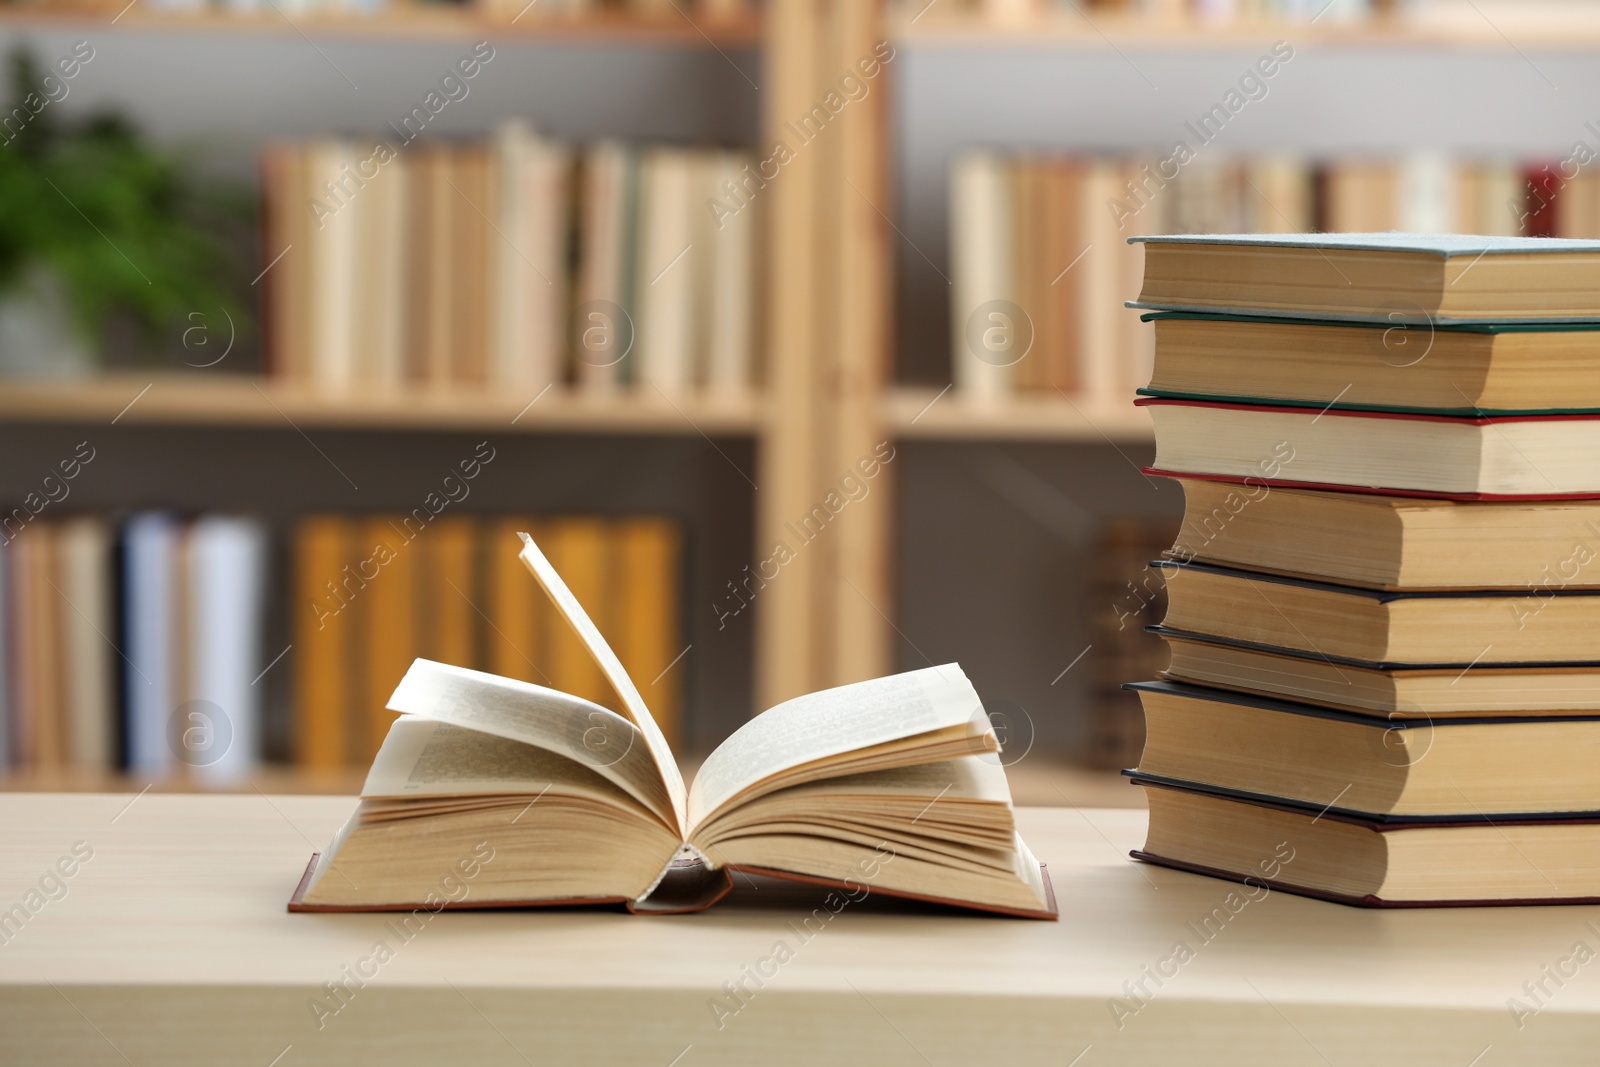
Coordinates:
[168,943]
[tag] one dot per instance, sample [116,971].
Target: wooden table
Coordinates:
[171,946]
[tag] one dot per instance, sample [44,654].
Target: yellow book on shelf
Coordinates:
[320,624]
[515,607]
[388,625]
[449,591]
[647,602]
[40,734]
[578,548]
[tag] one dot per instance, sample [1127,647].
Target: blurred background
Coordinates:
[792,330]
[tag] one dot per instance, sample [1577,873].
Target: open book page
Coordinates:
[655,741]
[423,757]
[831,722]
[970,778]
[585,733]
[965,801]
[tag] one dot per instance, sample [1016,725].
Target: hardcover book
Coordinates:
[1380,541]
[1520,457]
[1384,278]
[1321,850]
[1511,766]
[1476,369]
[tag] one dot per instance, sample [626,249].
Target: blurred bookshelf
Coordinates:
[924,414]
[680,27]
[831,377]
[1211,26]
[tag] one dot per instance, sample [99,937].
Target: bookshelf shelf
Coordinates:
[1076,30]
[925,415]
[276,779]
[202,400]
[434,22]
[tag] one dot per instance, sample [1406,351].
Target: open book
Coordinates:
[490,792]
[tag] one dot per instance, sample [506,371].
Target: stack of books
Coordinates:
[1383,601]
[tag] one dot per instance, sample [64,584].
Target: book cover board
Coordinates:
[688,886]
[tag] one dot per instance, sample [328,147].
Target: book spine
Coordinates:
[321,624]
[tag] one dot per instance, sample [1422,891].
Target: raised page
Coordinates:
[655,741]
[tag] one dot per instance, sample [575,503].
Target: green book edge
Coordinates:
[1454,327]
[1317,405]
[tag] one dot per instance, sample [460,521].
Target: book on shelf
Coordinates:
[513,263]
[1378,541]
[133,644]
[323,691]
[1042,238]
[150,625]
[1373,696]
[553,799]
[1376,765]
[1411,453]
[143,642]
[217,725]
[1122,594]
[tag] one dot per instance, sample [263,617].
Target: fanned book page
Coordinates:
[491,792]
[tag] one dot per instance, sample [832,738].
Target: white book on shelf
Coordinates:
[983,332]
[1429,193]
[220,721]
[83,547]
[511,339]
[1098,308]
[530,296]
[604,332]
[379,282]
[150,619]
[548,177]
[731,240]
[333,262]
[664,273]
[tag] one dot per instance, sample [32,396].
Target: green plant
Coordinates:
[129,229]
